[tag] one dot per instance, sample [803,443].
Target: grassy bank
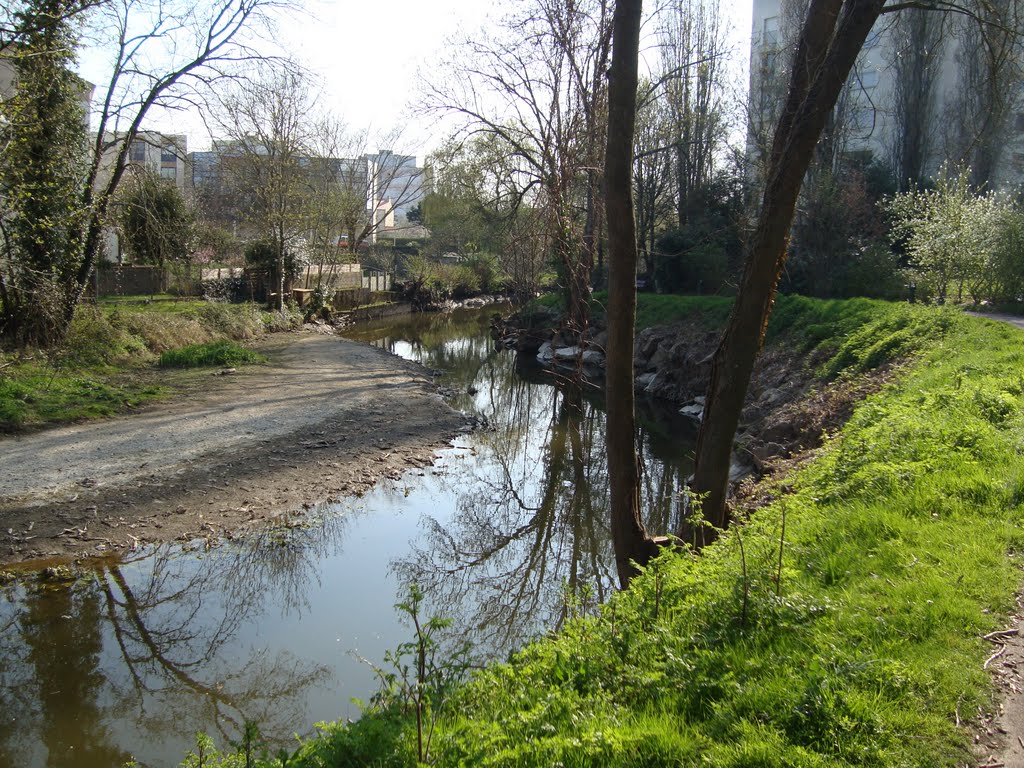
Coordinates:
[107,363]
[841,626]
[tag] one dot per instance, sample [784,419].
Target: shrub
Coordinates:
[218,353]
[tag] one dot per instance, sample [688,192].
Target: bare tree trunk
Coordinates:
[831,38]
[915,63]
[632,545]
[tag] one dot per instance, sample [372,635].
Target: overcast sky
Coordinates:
[367,55]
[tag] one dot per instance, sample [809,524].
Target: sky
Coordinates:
[367,55]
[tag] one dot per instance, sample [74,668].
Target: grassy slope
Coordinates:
[859,650]
[895,562]
[105,364]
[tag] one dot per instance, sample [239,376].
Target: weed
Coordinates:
[422,674]
[218,353]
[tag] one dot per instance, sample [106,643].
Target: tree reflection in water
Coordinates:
[139,653]
[153,640]
[530,533]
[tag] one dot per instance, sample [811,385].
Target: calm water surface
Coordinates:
[282,628]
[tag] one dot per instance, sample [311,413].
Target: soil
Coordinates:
[999,735]
[324,418]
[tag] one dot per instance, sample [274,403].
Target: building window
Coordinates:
[862,120]
[869,78]
[137,154]
[771,31]
[168,155]
[171,174]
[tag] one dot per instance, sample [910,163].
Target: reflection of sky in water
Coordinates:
[170,643]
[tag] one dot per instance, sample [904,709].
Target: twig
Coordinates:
[993,637]
[994,656]
[14,362]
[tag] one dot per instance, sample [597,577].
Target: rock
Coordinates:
[592,357]
[545,354]
[781,431]
[764,451]
[646,344]
[645,380]
[772,396]
[567,353]
[738,472]
[694,411]
[530,341]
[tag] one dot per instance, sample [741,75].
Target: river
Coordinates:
[285,628]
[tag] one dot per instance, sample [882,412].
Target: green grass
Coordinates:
[106,363]
[37,395]
[903,547]
[217,353]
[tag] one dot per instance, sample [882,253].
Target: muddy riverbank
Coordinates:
[325,417]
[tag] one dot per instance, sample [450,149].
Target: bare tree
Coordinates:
[160,50]
[990,72]
[653,184]
[918,44]
[694,57]
[376,181]
[194,43]
[538,88]
[632,545]
[830,39]
[268,121]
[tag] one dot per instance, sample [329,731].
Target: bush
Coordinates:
[218,353]
[961,243]
[702,256]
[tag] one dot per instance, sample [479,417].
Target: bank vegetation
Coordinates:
[841,624]
[109,362]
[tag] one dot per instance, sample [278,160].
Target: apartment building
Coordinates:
[392,184]
[164,155]
[906,104]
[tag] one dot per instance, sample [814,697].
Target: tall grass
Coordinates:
[222,353]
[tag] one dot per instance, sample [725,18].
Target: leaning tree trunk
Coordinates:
[832,36]
[632,545]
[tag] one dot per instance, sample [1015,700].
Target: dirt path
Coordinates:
[325,418]
[1014,320]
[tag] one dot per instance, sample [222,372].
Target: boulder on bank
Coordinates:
[782,415]
[679,356]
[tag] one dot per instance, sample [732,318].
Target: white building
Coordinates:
[164,155]
[394,178]
[869,111]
